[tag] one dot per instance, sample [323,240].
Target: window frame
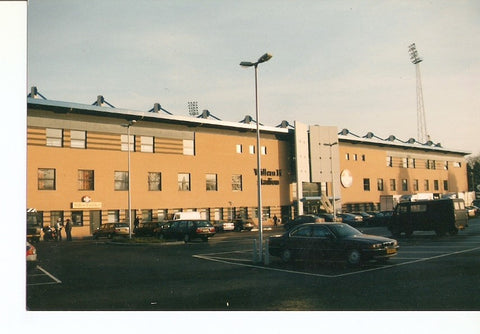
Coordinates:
[44,179]
[86,182]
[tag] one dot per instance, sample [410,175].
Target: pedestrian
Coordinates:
[136,222]
[275,220]
[59,227]
[68,230]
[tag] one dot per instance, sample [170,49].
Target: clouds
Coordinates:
[342,63]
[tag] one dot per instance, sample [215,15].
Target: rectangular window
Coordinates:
[85,179]
[146,144]
[251,149]
[364,158]
[55,137]
[436,185]
[125,141]
[426,185]
[264,150]
[211,182]
[405,162]
[239,148]
[404,185]
[46,179]
[413,163]
[188,147]
[445,185]
[445,165]
[113,216]
[347,156]
[415,185]
[380,184]
[389,161]
[121,180]
[355,156]
[366,184]
[393,185]
[184,182]
[237,182]
[154,181]
[78,139]
[457,164]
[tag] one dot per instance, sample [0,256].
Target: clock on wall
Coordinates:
[346,178]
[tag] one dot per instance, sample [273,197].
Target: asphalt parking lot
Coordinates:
[429,273]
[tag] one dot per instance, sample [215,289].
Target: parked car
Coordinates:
[302,219]
[328,217]
[351,219]
[187,230]
[367,217]
[381,218]
[109,230]
[31,252]
[473,211]
[222,225]
[241,224]
[147,229]
[159,231]
[331,242]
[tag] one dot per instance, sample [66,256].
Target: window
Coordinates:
[154,181]
[404,185]
[211,182]
[355,156]
[264,150]
[426,185]
[412,163]
[445,165]
[237,182]
[445,185]
[146,144]
[380,184]
[188,147]
[436,185]
[55,137]
[366,184]
[121,180]
[457,164]
[184,182]
[347,156]
[46,179]
[364,158]
[415,185]
[113,216]
[305,231]
[393,185]
[124,139]
[430,164]
[78,139]
[405,162]
[251,149]
[239,148]
[389,161]
[85,179]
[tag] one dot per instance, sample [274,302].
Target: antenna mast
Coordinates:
[422,135]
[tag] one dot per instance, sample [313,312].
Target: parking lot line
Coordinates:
[45,273]
[211,257]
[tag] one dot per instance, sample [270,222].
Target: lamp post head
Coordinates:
[262,59]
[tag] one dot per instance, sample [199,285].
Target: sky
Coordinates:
[340,63]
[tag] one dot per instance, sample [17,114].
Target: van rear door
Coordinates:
[461,215]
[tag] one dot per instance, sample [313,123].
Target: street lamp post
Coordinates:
[128,125]
[333,180]
[262,59]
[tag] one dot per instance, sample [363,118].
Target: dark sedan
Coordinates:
[187,230]
[302,219]
[331,241]
[148,229]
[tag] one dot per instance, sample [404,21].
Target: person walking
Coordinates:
[275,220]
[68,230]
[59,227]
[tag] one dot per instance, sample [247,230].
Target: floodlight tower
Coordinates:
[422,135]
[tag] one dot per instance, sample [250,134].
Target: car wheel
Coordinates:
[354,257]
[286,255]
[186,238]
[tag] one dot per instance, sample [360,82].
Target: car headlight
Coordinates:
[376,246]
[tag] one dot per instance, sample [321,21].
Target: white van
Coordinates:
[192,215]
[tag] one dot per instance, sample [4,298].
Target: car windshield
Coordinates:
[344,230]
